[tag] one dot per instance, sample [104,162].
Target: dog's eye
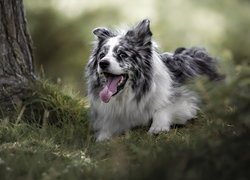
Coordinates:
[101,55]
[123,55]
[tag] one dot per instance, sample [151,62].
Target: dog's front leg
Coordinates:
[162,120]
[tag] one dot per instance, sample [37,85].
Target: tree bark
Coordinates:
[16,58]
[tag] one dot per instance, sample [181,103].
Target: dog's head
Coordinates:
[121,59]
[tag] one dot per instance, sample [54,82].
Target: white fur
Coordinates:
[114,65]
[159,104]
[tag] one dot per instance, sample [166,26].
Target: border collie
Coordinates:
[131,83]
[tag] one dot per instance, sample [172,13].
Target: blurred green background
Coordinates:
[62,31]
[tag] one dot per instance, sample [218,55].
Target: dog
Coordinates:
[131,83]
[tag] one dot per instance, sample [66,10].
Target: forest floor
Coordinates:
[209,147]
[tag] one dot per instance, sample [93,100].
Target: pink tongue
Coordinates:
[110,88]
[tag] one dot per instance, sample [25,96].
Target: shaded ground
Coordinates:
[214,146]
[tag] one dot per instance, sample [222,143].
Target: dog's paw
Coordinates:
[103,137]
[157,130]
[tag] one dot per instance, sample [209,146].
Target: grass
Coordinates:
[50,138]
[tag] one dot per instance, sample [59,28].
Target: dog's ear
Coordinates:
[141,32]
[102,33]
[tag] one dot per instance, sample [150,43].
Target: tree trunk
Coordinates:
[16,59]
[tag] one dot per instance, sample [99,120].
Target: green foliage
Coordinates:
[61,108]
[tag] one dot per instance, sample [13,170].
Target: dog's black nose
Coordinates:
[104,64]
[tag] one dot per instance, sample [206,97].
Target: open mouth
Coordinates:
[114,84]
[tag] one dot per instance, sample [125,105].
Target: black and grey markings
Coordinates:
[187,63]
[138,45]
[103,33]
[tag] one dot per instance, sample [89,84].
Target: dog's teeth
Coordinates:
[120,82]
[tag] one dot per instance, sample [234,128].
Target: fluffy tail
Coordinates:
[187,63]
